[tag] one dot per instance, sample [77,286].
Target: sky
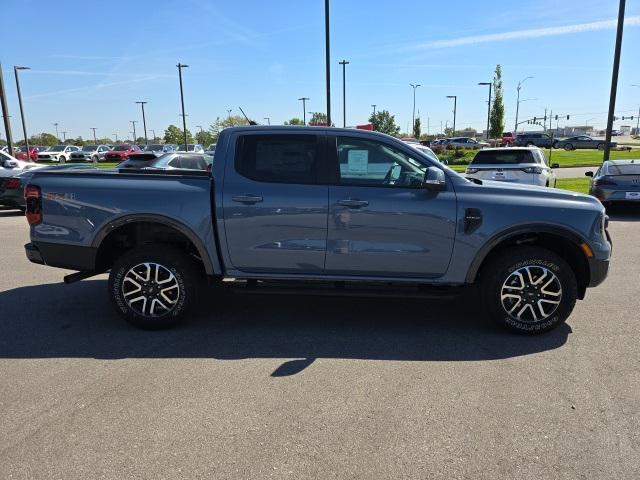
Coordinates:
[91,61]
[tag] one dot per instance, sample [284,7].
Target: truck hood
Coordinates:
[534,191]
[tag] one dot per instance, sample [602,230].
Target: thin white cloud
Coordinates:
[83,73]
[92,88]
[523,34]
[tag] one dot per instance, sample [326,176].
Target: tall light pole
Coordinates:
[455,109]
[637,120]
[57,135]
[229,110]
[413,121]
[115,135]
[614,80]
[184,118]
[154,134]
[64,136]
[5,113]
[327,60]
[133,123]
[344,64]
[201,130]
[94,135]
[515,130]
[268,119]
[488,104]
[304,109]
[24,125]
[144,123]
[374,108]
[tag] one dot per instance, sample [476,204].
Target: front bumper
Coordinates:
[598,270]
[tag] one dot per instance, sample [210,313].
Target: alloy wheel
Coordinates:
[531,294]
[150,289]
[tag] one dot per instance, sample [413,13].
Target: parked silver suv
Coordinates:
[90,153]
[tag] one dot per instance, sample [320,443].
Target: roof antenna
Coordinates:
[251,122]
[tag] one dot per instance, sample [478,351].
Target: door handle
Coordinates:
[353,203]
[247,198]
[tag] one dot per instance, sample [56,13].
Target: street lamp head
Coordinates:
[452,96]
[485,83]
[21,68]
[181,65]
[414,86]
[142,102]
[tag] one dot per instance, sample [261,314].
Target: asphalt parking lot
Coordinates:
[294,387]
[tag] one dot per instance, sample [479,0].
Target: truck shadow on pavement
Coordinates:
[62,321]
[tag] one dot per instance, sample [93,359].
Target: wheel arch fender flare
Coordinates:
[116,223]
[514,232]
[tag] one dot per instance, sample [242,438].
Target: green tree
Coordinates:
[294,121]
[416,129]
[174,135]
[496,119]
[384,122]
[221,123]
[205,138]
[318,118]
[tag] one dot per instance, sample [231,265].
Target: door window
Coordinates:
[369,163]
[279,158]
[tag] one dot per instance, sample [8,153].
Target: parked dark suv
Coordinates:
[542,140]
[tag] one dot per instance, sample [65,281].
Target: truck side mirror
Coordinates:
[434,180]
[555,165]
[588,174]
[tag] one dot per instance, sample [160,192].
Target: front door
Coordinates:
[275,209]
[382,222]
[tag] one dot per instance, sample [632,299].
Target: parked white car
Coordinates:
[58,153]
[526,165]
[11,166]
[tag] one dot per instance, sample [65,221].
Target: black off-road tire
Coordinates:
[184,270]
[501,268]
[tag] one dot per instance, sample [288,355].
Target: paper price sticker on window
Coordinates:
[358,161]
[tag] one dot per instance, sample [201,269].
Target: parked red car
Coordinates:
[21,154]
[121,153]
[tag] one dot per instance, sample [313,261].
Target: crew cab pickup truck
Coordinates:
[319,209]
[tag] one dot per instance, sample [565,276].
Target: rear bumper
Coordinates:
[71,257]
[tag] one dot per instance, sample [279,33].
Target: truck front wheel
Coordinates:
[528,289]
[154,286]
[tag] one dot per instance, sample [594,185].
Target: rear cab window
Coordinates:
[279,158]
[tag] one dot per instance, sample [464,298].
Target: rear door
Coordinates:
[275,205]
[382,222]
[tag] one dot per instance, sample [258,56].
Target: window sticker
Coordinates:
[358,161]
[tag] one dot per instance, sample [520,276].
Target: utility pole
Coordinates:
[115,135]
[5,113]
[374,108]
[268,119]
[94,135]
[488,105]
[229,110]
[515,130]
[614,80]
[184,118]
[24,125]
[154,134]
[133,122]
[64,136]
[304,109]
[344,63]
[455,108]
[413,118]
[144,123]
[57,135]
[327,59]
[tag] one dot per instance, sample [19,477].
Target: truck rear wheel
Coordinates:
[154,286]
[528,290]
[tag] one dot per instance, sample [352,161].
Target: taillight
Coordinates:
[34,204]
[603,181]
[532,170]
[12,184]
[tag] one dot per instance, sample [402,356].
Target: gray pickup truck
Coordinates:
[337,211]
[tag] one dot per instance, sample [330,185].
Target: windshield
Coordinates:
[121,148]
[190,162]
[56,148]
[191,148]
[89,148]
[495,157]
[624,169]
[154,148]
